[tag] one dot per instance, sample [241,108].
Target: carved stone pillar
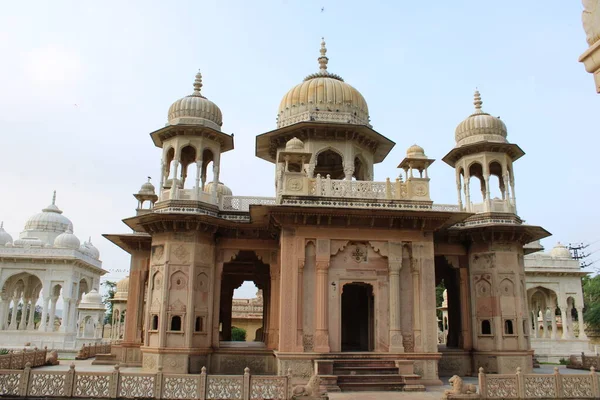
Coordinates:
[216,314]
[582,334]
[545,334]
[553,321]
[563,317]
[467,339]
[288,286]
[348,171]
[22,323]
[395,337]
[322,322]
[3,312]
[535,314]
[300,307]
[414,270]
[135,297]
[30,322]
[273,335]
[44,320]
[52,315]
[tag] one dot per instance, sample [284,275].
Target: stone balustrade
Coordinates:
[584,362]
[531,386]
[129,385]
[89,351]
[18,359]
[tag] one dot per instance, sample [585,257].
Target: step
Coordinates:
[371,387]
[387,379]
[360,370]
[105,359]
[365,363]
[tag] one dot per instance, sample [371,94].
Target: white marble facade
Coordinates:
[555,296]
[46,266]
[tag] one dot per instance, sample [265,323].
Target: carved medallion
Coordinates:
[359,253]
[181,253]
[294,184]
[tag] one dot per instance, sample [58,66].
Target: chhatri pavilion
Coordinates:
[347,266]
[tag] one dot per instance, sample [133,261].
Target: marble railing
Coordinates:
[90,350]
[129,385]
[243,203]
[533,386]
[45,252]
[497,206]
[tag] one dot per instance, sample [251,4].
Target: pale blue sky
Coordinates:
[83,83]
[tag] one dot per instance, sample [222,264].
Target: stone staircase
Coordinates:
[374,375]
[105,359]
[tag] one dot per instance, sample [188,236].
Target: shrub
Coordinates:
[238,334]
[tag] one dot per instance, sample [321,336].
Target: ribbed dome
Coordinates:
[28,241]
[49,220]
[67,240]
[222,190]
[4,236]
[294,144]
[560,251]
[147,188]
[122,289]
[91,300]
[415,151]
[89,249]
[196,109]
[323,97]
[480,126]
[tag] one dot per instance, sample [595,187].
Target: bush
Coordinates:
[3,352]
[563,361]
[238,334]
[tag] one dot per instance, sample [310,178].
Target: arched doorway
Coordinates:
[357,317]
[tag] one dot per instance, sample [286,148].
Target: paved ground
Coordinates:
[433,392]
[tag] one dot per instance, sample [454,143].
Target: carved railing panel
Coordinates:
[180,387]
[10,382]
[267,387]
[501,386]
[138,385]
[47,384]
[540,386]
[224,387]
[90,384]
[577,386]
[243,203]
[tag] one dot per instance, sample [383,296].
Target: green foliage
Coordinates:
[110,294]
[591,299]
[238,334]
[563,361]
[3,352]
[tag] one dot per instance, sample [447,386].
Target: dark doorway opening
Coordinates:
[357,317]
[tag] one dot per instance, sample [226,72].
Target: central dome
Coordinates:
[323,97]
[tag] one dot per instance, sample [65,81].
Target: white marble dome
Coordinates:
[122,289]
[196,109]
[49,220]
[560,251]
[415,151]
[294,144]
[147,188]
[67,240]
[89,249]
[91,300]
[222,190]
[4,236]
[323,97]
[480,126]
[28,241]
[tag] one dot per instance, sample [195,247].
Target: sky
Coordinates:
[82,84]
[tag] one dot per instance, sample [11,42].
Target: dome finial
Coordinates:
[198,83]
[54,198]
[1,224]
[323,59]
[477,101]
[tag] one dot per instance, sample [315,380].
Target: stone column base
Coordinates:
[503,362]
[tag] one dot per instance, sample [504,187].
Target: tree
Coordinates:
[238,334]
[439,297]
[591,300]
[111,288]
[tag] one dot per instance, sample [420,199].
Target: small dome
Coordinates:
[91,300]
[89,249]
[49,220]
[415,151]
[4,236]
[323,97]
[122,289]
[147,188]
[480,126]
[67,240]
[222,190]
[294,144]
[560,251]
[196,109]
